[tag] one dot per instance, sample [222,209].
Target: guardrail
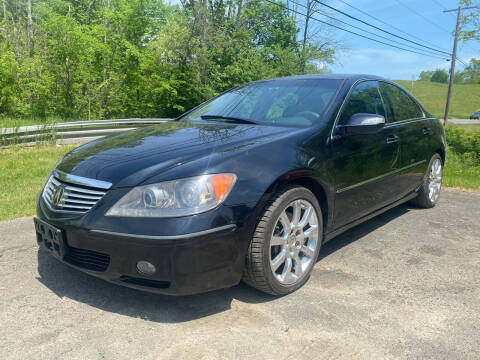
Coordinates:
[76,132]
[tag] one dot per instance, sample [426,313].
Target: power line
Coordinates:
[352,32]
[366,31]
[442,6]
[390,25]
[378,28]
[423,17]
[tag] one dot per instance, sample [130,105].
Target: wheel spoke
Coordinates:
[307,251]
[306,217]
[279,260]
[277,240]
[311,231]
[287,270]
[285,222]
[298,266]
[297,210]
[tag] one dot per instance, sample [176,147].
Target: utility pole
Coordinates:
[454,57]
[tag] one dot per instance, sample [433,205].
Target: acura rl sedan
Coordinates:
[246,186]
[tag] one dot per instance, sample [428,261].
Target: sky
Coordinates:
[365,56]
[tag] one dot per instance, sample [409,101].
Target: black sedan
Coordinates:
[246,186]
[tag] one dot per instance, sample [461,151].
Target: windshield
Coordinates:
[298,103]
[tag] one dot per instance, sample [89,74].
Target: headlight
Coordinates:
[175,198]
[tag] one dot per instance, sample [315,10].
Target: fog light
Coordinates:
[145,268]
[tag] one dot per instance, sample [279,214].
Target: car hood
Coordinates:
[129,158]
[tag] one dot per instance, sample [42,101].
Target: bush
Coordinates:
[464,143]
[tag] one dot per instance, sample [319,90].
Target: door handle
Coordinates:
[391,139]
[425,131]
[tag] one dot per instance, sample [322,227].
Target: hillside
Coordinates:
[465,99]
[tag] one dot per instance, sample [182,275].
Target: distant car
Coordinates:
[475,116]
[248,185]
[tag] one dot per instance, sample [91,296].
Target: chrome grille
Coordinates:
[67,197]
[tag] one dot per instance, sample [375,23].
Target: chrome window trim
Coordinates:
[403,122]
[80,180]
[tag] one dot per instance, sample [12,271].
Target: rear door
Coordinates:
[411,125]
[365,165]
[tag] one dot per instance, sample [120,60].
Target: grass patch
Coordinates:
[23,172]
[460,173]
[465,97]
[468,127]
[7,122]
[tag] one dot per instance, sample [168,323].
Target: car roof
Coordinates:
[351,77]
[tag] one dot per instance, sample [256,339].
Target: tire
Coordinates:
[429,192]
[274,250]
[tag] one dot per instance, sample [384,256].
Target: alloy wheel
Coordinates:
[294,242]
[435,180]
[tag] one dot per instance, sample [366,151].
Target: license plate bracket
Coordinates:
[51,238]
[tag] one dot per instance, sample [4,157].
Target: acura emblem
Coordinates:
[57,195]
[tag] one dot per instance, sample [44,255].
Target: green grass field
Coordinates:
[24,170]
[465,97]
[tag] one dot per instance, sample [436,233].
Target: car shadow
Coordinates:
[359,231]
[67,282]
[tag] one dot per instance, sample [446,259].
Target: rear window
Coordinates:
[400,105]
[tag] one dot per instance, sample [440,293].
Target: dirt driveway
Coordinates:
[403,285]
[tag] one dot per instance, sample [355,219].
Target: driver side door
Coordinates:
[365,165]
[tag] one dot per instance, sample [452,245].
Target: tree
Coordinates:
[439,76]
[470,22]
[142,58]
[426,76]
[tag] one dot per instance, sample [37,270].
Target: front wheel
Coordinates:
[429,192]
[286,242]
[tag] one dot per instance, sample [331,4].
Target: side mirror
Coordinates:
[361,123]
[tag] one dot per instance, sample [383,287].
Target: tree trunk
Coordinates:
[29,28]
[68,93]
[305,35]
[4,9]
[239,10]
[91,4]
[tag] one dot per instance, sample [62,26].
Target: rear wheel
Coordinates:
[286,242]
[429,192]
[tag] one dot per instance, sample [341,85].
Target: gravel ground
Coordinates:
[402,285]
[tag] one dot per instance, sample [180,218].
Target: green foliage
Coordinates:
[439,76]
[469,22]
[466,144]
[425,76]
[141,58]
[460,173]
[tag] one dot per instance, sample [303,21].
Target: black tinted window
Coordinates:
[365,98]
[401,106]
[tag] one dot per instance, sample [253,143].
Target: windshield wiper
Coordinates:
[231,118]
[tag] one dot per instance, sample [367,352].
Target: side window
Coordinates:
[365,98]
[401,106]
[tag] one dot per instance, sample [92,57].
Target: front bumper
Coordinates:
[185,264]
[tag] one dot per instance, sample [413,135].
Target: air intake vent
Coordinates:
[87,259]
[68,197]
